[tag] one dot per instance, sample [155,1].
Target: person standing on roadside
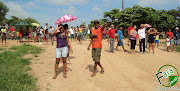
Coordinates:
[71,30]
[96,37]
[176,38]
[142,38]
[111,39]
[171,37]
[129,29]
[46,33]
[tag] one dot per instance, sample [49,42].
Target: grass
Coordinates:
[178,47]
[13,69]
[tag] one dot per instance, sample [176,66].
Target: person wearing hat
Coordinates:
[96,37]
[176,37]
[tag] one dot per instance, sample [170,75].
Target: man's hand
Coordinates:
[88,48]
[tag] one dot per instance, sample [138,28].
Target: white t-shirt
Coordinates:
[51,30]
[142,33]
[88,31]
[45,28]
[168,43]
[71,31]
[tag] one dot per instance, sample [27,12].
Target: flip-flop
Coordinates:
[102,72]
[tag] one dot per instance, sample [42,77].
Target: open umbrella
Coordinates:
[21,23]
[35,24]
[65,19]
[148,25]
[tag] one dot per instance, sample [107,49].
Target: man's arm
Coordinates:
[103,27]
[89,45]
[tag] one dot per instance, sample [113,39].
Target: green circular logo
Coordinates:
[167,75]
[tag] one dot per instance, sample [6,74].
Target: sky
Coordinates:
[48,11]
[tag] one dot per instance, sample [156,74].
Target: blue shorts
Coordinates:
[176,42]
[156,41]
[120,43]
[72,35]
[171,41]
[104,34]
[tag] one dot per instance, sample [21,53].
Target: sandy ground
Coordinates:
[123,71]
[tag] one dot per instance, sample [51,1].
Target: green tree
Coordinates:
[13,20]
[30,20]
[3,11]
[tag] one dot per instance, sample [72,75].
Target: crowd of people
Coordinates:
[96,34]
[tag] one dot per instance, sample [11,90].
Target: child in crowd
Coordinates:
[157,39]
[35,36]
[168,43]
[17,36]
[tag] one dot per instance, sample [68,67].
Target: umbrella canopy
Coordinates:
[21,23]
[65,19]
[148,25]
[35,24]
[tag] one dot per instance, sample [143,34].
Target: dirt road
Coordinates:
[123,71]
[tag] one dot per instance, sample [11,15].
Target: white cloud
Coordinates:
[71,11]
[66,2]
[30,4]
[16,10]
[96,9]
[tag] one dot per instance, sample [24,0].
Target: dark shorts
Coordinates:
[46,36]
[72,35]
[3,34]
[176,42]
[96,54]
[120,43]
[104,34]
[151,40]
[27,35]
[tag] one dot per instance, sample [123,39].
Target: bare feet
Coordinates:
[93,74]
[64,75]
[125,50]
[54,77]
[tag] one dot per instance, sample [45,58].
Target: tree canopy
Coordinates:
[14,19]
[160,19]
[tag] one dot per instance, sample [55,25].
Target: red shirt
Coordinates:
[112,33]
[129,29]
[12,29]
[170,34]
[97,41]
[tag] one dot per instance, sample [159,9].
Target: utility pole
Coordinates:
[122,5]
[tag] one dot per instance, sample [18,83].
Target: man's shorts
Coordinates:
[156,41]
[104,34]
[176,42]
[72,35]
[62,52]
[3,34]
[46,36]
[120,43]
[171,41]
[96,54]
